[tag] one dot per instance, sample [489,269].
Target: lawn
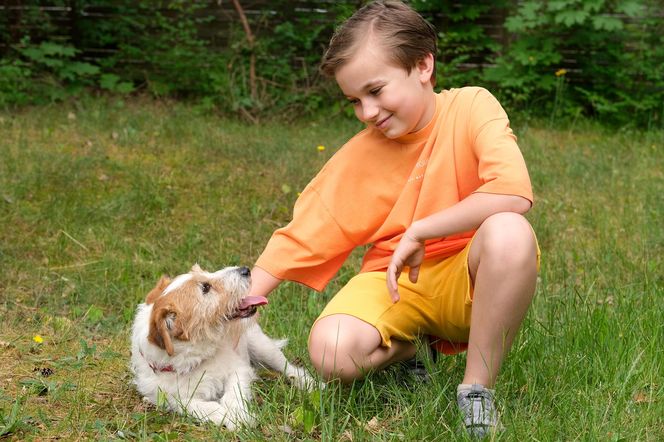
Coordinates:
[100,197]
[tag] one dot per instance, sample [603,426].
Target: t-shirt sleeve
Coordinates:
[501,166]
[311,248]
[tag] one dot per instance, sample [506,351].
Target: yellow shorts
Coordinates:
[439,304]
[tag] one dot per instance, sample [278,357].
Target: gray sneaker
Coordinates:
[480,417]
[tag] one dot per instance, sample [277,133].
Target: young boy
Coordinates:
[436,184]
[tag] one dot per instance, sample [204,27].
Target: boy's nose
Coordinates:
[369,112]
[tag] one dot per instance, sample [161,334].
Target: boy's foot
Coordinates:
[476,403]
[417,367]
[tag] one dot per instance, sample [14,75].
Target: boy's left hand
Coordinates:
[409,253]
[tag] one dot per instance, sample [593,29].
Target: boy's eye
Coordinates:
[353,101]
[375,91]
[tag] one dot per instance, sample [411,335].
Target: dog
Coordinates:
[194,343]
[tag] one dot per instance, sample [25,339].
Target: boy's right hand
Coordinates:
[409,253]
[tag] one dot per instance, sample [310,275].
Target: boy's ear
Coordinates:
[158,289]
[425,68]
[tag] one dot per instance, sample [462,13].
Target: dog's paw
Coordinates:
[239,418]
[302,380]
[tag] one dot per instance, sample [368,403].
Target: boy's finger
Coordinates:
[394,292]
[392,276]
[413,274]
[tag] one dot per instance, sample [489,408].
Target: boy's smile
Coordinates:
[385,95]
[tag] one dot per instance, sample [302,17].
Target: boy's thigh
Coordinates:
[438,304]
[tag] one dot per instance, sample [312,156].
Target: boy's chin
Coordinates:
[392,132]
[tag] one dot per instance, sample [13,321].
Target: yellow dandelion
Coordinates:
[320,148]
[38,339]
[561,72]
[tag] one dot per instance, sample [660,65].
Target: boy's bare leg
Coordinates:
[503,266]
[346,348]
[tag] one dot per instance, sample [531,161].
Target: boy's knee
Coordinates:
[335,351]
[331,357]
[507,237]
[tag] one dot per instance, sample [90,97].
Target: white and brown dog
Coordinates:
[194,341]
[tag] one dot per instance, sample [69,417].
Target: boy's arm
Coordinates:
[262,282]
[466,215]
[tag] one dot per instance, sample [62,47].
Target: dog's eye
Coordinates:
[206,287]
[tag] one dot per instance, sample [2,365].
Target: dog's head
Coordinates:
[200,305]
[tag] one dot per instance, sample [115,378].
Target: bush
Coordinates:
[561,58]
[617,52]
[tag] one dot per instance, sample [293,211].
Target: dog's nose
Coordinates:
[244,271]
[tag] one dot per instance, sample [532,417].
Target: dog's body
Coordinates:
[194,341]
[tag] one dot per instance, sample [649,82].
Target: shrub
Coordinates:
[559,58]
[607,56]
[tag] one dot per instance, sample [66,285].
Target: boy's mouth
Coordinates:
[383,123]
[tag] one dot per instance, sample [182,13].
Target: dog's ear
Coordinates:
[162,322]
[196,268]
[158,289]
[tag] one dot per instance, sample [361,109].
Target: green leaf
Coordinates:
[571,17]
[111,82]
[603,22]
[10,422]
[79,68]
[559,5]
[125,87]
[629,8]
[50,48]
[108,81]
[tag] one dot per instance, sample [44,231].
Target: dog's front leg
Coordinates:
[236,398]
[267,352]
[204,410]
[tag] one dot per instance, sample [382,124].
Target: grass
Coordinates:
[100,197]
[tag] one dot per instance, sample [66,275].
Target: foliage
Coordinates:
[463,40]
[557,58]
[617,54]
[47,71]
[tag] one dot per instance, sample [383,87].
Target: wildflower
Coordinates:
[38,339]
[561,72]
[320,148]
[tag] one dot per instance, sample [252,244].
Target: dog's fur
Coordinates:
[194,341]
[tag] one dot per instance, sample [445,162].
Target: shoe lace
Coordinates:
[479,406]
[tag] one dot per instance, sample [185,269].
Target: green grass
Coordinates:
[100,197]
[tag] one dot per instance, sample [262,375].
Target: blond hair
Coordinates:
[406,35]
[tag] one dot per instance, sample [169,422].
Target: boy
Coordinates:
[436,184]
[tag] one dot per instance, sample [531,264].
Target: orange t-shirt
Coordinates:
[374,188]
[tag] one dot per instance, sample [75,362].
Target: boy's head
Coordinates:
[383,60]
[405,36]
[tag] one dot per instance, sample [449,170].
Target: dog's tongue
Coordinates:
[251,301]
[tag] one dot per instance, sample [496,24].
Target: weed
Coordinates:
[96,207]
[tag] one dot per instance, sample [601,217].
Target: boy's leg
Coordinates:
[344,347]
[503,267]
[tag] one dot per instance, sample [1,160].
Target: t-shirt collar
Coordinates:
[422,134]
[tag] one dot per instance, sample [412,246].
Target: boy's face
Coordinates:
[385,95]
